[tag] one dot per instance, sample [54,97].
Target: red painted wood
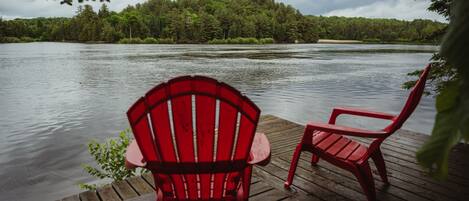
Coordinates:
[133,156]
[348,150]
[358,153]
[163,139]
[328,141]
[205,126]
[338,146]
[181,107]
[175,129]
[226,134]
[144,140]
[319,137]
[261,151]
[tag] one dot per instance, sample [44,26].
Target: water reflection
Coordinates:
[55,97]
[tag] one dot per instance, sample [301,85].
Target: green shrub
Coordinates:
[136,41]
[233,41]
[403,40]
[266,41]
[131,41]
[249,41]
[372,40]
[8,39]
[26,39]
[150,40]
[166,41]
[110,157]
[124,41]
[240,40]
[217,41]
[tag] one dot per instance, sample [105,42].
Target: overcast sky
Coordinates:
[400,9]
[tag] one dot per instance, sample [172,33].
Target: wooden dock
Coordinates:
[324,181]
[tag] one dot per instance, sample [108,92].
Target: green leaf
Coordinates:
[89,187]
[451,124]
[434,154]
[110,158]
[447,97]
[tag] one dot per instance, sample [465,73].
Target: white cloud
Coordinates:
[399,9]
[10,9]
[318,7]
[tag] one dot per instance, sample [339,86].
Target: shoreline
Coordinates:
[320,41]
[332,41]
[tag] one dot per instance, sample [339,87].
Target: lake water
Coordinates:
[55,97]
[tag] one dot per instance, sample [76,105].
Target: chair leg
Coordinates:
[365,178]
[314,159]
[380,165]
[246,183]
[294,163]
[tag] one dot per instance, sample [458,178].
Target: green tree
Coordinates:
[308,30]
[103,11]
[450,74]
[89,24]
[264,26]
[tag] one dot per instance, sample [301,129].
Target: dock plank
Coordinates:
[108,193]
[259,188]
[140,185]
[273,194]
[124,190]
[72,198]
[89,196]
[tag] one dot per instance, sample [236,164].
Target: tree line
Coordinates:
[386,30]
[201,21]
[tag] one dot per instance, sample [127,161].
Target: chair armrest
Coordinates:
[344,130]
[358,112]
[133,156]
[260,150]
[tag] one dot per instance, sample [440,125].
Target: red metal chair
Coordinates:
[198,137]
[329,141]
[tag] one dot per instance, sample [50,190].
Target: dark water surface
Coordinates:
[55,97]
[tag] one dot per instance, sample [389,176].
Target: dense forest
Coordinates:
[217,21]
[376,30]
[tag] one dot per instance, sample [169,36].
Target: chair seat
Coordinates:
[338,146]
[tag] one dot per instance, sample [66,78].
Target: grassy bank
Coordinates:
[242,41]
[17,40]
[151,40]
[239,40]
[374,41]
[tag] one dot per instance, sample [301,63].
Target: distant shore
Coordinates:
[331,41]
[232,41]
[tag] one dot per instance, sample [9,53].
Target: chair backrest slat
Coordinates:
[181,107]
[205,126]
[228,115]
[141,125]
[160,118]
[195,120]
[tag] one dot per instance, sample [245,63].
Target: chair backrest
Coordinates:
[411,103]
[195,134]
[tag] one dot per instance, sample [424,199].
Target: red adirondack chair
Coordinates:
[198,137]
[329,141]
